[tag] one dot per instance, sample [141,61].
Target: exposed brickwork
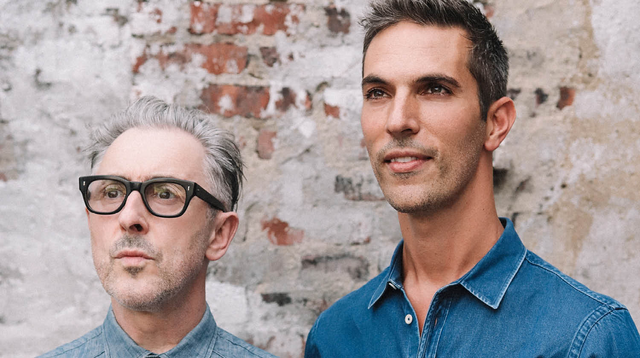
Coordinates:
[280,233]
[230,100]
[269,56]
[567,96]
[332,111]
[338,20]
[244,19]
[218,57]
[265,146]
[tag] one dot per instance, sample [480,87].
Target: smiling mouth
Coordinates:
[403,159]
[406,164]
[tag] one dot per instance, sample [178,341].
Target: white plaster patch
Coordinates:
[584,155]
[291,184]
[615,30]
[343,98]
[226,104]
[228,303]
[305,126]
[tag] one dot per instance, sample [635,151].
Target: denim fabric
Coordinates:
[110,341]
[511,304]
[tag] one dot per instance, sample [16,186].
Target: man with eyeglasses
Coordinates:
[160,206]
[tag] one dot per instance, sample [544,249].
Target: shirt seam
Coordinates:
[236,344]
[578,289]
[585,329]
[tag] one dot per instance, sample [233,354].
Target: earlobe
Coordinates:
[500,119]
[225,227]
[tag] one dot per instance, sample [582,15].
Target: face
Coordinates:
[421,116]
[142,260]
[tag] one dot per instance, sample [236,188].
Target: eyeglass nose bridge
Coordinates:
[139,187]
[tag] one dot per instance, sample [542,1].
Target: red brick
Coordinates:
[567,96]
[273,17]
[489,10]
[203,17]
[270,18]
[287,100]
[279,232]
[219,57]
[269,56]
[332,111]
[337,21]
[265,146]
[247,101]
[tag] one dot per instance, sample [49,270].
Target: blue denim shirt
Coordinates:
[205,340]
[510,304]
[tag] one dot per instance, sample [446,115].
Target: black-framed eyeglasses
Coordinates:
[163,197]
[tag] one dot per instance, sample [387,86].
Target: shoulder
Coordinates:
[85,346]
[604,326]
[228,345]
[564,286]
[609,333]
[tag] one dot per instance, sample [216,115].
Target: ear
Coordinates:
[225,227]
[500,119]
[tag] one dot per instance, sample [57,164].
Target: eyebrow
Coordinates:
[433,78]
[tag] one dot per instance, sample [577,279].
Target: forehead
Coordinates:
[410,49]
[143,153]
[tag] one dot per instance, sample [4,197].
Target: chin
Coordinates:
[142,301]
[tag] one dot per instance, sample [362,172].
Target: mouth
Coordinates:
[132,257]
[405,162]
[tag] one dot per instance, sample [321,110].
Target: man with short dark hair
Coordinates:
[461,283]
[160,205]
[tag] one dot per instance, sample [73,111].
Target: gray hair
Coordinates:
[488,61]
[222,159]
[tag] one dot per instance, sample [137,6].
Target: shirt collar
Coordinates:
[488,280]
[196,343]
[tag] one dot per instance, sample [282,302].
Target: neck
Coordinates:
[162,329]
[440,247]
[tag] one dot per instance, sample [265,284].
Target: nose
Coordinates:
[133,217]
[404,114]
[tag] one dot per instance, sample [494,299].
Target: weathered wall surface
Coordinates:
[283,76]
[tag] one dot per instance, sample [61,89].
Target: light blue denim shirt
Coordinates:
[510,304]
[205,340]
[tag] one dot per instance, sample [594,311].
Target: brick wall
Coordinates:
[283,77]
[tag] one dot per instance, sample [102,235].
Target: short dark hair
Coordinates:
[488,61]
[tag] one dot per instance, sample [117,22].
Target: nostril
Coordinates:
[137,227]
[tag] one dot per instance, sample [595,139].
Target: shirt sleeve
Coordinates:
[613,335]
[311,348]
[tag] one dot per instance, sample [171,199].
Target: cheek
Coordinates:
[371,130]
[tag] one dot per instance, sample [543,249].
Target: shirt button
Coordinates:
[408,319]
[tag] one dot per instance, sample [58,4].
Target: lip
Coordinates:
[411,160]
[132,254]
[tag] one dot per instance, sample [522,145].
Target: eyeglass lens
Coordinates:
[163,198]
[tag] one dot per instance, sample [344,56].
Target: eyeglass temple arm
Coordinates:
[210,199]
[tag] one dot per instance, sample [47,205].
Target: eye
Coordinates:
[113,192]
[375,93]
[437,89]
[166,191]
